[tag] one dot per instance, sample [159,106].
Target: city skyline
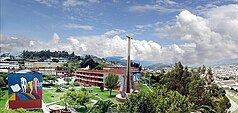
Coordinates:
[193,32]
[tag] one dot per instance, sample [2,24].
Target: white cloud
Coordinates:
[56,38]
[211,37]
[159,5]
[170,2]
[107,44]
[145,27]
[48,2]
[73,3]
[148,7]
[78,26]
[214,36]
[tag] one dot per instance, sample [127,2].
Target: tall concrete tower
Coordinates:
[128,81]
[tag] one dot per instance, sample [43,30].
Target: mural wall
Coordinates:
[25,90]
[135,76]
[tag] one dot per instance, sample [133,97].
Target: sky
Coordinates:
[191,31]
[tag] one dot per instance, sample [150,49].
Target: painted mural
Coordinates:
[135,76]
[25,89]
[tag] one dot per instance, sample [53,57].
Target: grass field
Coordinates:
[3,99]
[50,95]
[104,95]
[145,88]
[233,98]
[236,111]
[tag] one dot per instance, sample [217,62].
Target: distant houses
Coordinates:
[47,67]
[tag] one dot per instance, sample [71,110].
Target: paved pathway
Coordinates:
[6,105]
[234,105]
[44,108]
[47,104]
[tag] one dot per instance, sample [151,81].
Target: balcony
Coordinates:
[81,75]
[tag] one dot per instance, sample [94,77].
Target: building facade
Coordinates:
[97,77]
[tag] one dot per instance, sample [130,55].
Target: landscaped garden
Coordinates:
[50,95]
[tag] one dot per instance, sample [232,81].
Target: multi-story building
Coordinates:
[47,64]
[97,77]
[8,66]
[62,73]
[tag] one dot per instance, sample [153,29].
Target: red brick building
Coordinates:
[97,77]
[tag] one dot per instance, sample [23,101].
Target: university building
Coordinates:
[97,77]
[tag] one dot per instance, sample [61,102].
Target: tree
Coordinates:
[209,76]
[98,67]
[111,81]
[138,103]
[203,69]
[77,97]
[172,102]
[102,106]
[55,60]
[160,100]
[2,82]
[1,93]
[102,88]
[4,77]
[67,79]
[206,97]
[49,78]
[89,61]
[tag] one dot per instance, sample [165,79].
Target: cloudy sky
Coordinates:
[191,31]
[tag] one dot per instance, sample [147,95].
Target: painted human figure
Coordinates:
[30,83]
[36,84]
[23,84]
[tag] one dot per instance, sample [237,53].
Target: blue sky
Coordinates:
[41,18]
[147,20]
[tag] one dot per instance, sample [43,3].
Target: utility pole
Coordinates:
[128,83]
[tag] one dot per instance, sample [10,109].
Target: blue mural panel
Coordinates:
[25,87]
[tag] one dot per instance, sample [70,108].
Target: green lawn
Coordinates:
[145,88]
[104,95]
[60,103]
[4,99]
[236,111]
[233,98]
[50,95]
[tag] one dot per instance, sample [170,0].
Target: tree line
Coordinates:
[48,54]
